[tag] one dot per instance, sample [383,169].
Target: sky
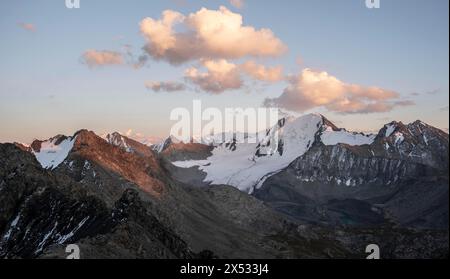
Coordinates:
[125,65]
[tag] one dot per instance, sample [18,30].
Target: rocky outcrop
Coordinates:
[129,145]
[367,185]
[353,166]
[416,142]
[142,170]
[43,212]
[187,151]
[117,198]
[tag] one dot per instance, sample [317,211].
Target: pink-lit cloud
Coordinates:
[165,86]
[219,77]
[137,136]
[261,72]
[28,26]
[206,34]
[222,75]
[312,89]
[237,3]
[95,58]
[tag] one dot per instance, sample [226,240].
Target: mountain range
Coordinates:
[307,189]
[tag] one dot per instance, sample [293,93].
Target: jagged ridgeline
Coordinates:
[307,190]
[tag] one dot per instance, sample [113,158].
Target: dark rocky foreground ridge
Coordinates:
[121,201]
[43,211]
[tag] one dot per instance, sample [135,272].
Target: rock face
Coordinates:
[397,177]
[246,162]
[117,198]
[41,211]
[416,142]
[141,169]
[136,234]
[128,145]
[187,151]
[85,201]
[401,177]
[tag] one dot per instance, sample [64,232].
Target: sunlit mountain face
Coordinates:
[225,129]
[317,178]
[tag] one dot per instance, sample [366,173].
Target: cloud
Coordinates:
[219,77]
[147,140]
[222,75]
[431,92]
[28,26]
[136,63]
[404,103]
[160,34]
[444,108]
[261,72]
[166,86]
[206,34]
[141,61]
[237,3]
[210,38]
[313,89]
[95,58]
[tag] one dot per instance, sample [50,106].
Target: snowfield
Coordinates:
[51,155]
[248,165]
[330,137]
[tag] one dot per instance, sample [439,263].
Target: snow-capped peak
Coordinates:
[247,165]
[291,135]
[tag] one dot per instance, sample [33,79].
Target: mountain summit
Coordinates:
[306,189]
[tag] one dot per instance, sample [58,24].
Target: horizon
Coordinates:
[154,140]
[125,68]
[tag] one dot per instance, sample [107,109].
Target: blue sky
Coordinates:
[45,89]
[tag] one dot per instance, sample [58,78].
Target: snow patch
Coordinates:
[66,237]
[390,129]
[118,140]
[51,155]
[425,139]
[46,237]
[12,227]
[158,148]
[330,137]
[399,138]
